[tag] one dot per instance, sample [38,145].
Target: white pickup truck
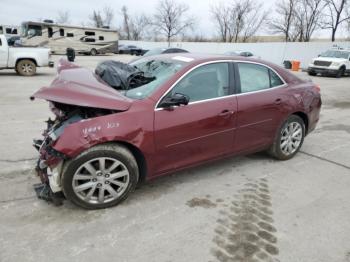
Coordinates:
[332,62]
[24,60]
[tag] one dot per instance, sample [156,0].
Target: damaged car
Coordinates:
[126,123]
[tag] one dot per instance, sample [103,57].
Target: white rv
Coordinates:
[9,30]
[84,40]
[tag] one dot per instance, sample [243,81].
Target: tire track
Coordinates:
[245,231]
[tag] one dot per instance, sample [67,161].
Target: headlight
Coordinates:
[335,64]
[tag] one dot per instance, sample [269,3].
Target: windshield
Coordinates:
[161,70]
[336,54]
[156,51]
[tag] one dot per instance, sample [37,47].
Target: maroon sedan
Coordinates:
[186,110]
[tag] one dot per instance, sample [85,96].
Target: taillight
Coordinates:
[318,88]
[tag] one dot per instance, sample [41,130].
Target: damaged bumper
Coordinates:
[48,169]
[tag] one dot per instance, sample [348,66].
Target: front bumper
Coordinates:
[320,70]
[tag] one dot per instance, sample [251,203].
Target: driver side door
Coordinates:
[203,129]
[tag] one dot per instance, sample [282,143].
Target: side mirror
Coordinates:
[176,99]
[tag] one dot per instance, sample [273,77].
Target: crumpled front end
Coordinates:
[50,163]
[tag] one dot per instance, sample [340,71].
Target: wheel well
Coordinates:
[31,59]
[140,159]
[343,66]
[304,117]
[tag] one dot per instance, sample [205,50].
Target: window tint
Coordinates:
[205,82]
[89,33]
[253,77]
[275,79]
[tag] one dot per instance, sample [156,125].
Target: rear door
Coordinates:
[261,105]
[204,128]
[3,53]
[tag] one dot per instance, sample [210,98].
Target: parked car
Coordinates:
[130,50]
[241,53]
[190,109]
[158,51]
[334,62]
[24,60]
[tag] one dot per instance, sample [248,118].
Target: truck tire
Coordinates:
[341,72]
[100,177]
[26,67]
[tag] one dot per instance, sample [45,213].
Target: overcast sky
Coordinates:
[13,12]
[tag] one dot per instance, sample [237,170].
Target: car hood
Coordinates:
[79,86]
[330,59]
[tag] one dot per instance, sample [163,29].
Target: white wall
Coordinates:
[275,52]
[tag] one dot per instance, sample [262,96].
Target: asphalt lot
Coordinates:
[231,210]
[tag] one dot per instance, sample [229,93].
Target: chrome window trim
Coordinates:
[221,97]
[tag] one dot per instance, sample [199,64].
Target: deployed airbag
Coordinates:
[121,76]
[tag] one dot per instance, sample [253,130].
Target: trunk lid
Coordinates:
[79,86]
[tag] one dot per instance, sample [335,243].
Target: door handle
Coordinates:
[278,101]
[226,113]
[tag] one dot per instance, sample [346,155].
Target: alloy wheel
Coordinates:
[291,138]
[100,180]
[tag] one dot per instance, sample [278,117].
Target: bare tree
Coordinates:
[170,18]
[308,17]
[108,15]
[220,15]
[238,20]
[283,22]
[336,15]
[100,20]
[63,17]
[138,26]
[126,23]
[96,19]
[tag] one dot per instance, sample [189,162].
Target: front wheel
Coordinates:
[340,72]
[26,67]
[100,177]
[289,139]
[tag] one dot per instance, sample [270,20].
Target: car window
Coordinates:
[275,79]
[205,82]
[253,77]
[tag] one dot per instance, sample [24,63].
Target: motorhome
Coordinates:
[9,30]
[59,37]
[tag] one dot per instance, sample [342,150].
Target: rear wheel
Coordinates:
[289,138]
[26,67]
[93,52]
[100,177]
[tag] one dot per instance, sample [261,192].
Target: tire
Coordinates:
[87,167]
[26,67]
[341,72]
[286,147]
[311,73]
[93,52]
